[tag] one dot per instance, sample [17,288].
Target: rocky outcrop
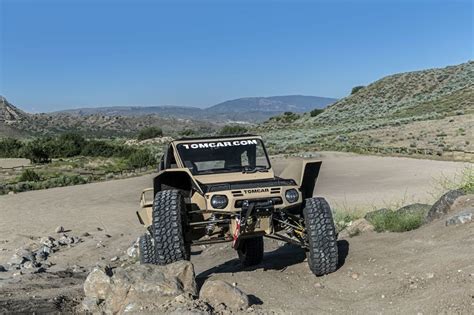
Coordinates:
[137,288]
[443,205]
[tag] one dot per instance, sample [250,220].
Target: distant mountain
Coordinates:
[249,109]
[272,104]
[16,123]
[164,111]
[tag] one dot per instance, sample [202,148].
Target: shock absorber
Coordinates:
[211,226]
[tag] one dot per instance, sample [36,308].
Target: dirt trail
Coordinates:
[428,270]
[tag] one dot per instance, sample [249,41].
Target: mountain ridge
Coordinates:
[247,109]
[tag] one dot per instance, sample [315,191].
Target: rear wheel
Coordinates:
[250,251]
[322,238]
[169,212]
[146,249]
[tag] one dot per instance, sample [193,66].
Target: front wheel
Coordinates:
[169,211]
[322,238]
[250,251]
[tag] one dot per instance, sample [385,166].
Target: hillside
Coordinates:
[407,95]
[250,109]
[429,109]
[16,123]
[10,117]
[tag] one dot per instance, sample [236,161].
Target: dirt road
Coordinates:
[428,270]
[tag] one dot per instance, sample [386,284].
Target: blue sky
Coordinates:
[70,53]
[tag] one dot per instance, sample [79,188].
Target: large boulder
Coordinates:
[137,288]
[443,205]
[218,292]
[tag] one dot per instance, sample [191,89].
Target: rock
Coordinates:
[132,251]
[355,276]
[85,234]
[66,240]
[137,287]
[357,227]
[370,215]
[3,269]
[10,193]
[16,260]
[59,229]
[97,284]
[218,291]
[465,216]
[47,241]
[443,205]
[115,258]
[415,209]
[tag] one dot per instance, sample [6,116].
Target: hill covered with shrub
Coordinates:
[428,109]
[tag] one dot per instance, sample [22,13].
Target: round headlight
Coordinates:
[291,195]
[219,201]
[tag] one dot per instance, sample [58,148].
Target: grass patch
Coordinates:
[342,219]
[463,180]
[395,221]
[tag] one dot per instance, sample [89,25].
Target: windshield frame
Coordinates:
[223,139]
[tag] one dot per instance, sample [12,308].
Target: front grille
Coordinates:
[275,200]
[249,184]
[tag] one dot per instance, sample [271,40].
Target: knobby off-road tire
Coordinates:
[169,211]
[250,251]
[322,237]
[146,249]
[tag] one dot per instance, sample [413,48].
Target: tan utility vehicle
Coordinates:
[211,190]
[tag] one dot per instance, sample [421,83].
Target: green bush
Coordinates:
[141,158]
[149,133]
[356,89]
[99,148]
[188,133]
[29,176]
[315,112]
[37,152]
[396,222]
[233,130]
[67,145]
[10,148]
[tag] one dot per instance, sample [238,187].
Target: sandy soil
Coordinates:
[429,270]
[8,163]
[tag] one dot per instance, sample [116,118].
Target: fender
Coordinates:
[304,173]
[176,178]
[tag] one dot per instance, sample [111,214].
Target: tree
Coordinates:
[36,152]
[149,133]
[356,89]
[232,130]
[315,112]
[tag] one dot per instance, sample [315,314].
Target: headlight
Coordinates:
[291,195]
[219,201]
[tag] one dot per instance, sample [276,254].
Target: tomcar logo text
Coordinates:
[207,145]
[256,190]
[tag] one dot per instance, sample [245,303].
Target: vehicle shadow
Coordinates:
[278,259]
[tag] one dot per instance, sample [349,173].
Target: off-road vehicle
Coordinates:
[211,190]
